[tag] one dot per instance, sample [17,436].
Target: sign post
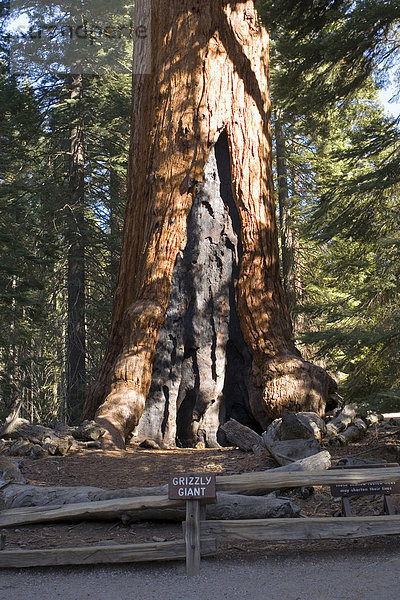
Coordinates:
[192,537]
[196,489]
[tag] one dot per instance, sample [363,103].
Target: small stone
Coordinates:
[21,447]
[150,445]
[51,447]
[88,431]
[38,452]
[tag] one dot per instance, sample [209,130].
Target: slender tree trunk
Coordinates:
[287,237]
[116,194]
[209,74]
[76,337]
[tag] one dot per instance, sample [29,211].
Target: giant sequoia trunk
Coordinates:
[199,293]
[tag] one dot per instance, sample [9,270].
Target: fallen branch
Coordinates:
[151,508]
[14,495]
[288,451]
[235,506]
[342,420]
[319,461]
[354,432]
[243,437]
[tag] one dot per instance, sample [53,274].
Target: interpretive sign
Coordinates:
[365,489]
[193,486]
[368,488]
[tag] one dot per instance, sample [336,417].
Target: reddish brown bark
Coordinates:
[209,74]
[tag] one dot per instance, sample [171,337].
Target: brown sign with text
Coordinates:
[193,486]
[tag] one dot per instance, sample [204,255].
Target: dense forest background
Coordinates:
[63,153]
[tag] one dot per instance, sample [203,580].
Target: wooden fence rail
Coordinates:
[89,555]
[112,509]
[269,481]
[314,528]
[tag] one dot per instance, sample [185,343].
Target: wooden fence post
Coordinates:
[192,537]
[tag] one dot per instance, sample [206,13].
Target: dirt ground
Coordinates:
[142,467]
[349,574]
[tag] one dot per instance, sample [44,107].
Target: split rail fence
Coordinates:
[207,531]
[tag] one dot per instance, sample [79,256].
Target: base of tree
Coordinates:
[295,384]
[202,372]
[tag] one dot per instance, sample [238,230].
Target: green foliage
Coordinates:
[34,199]
[345,196]
[343,164]
[357,221]
[37,207]
[24,244]
[327,50]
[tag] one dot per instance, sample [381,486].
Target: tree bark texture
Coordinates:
[209,76]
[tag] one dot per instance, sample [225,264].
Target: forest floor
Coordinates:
[142,467]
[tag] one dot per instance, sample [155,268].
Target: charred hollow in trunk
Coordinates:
[202,370]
